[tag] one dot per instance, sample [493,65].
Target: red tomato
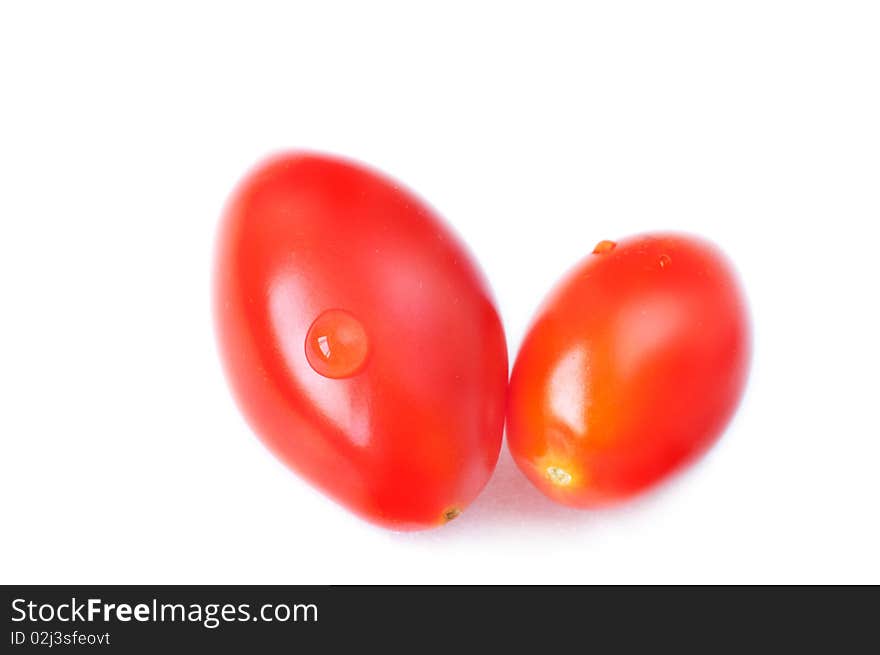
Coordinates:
[632,367]
[360,339]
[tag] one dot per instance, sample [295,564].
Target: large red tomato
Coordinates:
[632,367]
[360,339]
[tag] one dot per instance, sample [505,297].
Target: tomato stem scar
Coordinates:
[604,246]
[559,476]
[451,513]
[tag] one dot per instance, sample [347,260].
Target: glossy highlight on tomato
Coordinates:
[360,339]
[632,367]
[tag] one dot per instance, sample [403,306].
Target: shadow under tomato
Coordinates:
[511,504]
[508,503]
[510,498]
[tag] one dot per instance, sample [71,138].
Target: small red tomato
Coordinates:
[360,339]
[632,367]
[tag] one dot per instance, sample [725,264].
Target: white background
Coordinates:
[536,130]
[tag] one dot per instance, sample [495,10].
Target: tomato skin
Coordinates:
[632,367]
[360,339]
